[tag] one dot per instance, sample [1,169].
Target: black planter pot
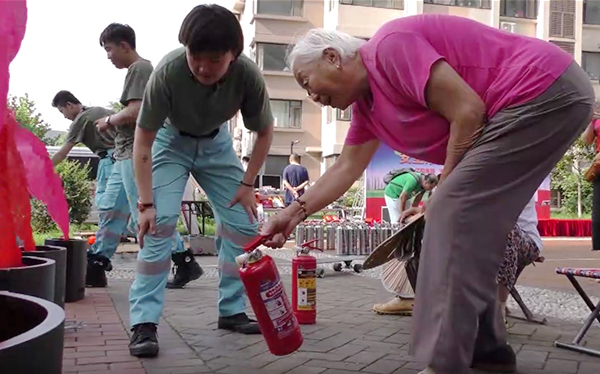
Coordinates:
[31,335]
[76,267]
[59,255]
[35,278]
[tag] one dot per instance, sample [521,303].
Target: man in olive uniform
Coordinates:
[182,129]
[83,130]
[121,196]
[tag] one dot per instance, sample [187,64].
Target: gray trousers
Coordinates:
[456,307]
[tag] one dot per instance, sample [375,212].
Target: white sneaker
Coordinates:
[428,371]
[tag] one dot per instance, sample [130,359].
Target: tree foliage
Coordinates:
[27,117]
[78,191]
[115,106]
[567,177]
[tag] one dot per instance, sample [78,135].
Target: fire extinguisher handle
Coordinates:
[307,245]
[255,243]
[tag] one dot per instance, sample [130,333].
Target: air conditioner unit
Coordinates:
[508,26]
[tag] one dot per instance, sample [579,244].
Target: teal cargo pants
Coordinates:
[216,167]
[115,205]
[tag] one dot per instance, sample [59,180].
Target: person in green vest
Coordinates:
[399,192]
[404,187]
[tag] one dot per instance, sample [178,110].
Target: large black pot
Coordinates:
[31,335]
[59,255]
[76,267]
[34,278]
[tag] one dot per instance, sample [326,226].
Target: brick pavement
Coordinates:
[348,337]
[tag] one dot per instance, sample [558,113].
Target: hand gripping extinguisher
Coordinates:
[304,284]
[269,301]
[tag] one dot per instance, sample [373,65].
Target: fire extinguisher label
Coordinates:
[278,307]
[307,289]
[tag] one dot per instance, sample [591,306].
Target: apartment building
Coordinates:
[316,133]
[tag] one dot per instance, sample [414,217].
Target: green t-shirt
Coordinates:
[83,130]
[174,97]
[135,82]
[403,183]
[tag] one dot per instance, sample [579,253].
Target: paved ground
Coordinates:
[348,337]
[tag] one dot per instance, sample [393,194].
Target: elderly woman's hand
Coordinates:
[278,228]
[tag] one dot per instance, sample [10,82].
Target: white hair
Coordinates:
[310,47]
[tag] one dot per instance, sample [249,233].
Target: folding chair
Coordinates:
[528,316]
[571,273]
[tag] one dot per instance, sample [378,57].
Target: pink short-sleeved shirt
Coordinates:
[504,69]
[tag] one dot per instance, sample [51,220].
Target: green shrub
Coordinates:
[78,191]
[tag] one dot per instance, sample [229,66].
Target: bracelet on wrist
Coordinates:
[246,184]
[302,208]
[143,206]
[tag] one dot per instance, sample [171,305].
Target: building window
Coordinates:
[562,19]
[329,112]
[392,4]
[591,12]
[568,47]
[344,115]
[590,61]
[271,57]
[486,4]
[287,113]
[280,7]
[519,8]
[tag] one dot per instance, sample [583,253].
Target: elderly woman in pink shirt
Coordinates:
[498,110]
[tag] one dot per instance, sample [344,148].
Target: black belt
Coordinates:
[105,154]
[210,135]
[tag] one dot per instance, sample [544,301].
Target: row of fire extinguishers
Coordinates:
[345,237]
[278,320]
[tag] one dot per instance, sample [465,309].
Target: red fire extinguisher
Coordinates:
[304,284]
[269,301]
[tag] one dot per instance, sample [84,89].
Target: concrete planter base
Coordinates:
[76,267]
[31,335]
[34,278]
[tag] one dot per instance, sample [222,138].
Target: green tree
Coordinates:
[567,177]
[78,191]
[58,140]
[27,117]
[115,106]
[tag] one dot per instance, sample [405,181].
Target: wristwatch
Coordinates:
[142,206]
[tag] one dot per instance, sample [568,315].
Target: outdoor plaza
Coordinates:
[348,336]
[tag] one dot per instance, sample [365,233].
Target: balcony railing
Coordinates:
[390,4]
[484,4]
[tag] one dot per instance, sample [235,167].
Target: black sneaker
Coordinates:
[239,323]
[186,269]
[501,360]
[144,342]
[97,266]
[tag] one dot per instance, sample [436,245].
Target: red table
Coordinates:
[565,227]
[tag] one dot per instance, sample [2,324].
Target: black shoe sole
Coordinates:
[249,329]
[495,368]
[176,286]
[147,351]
[96,285]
